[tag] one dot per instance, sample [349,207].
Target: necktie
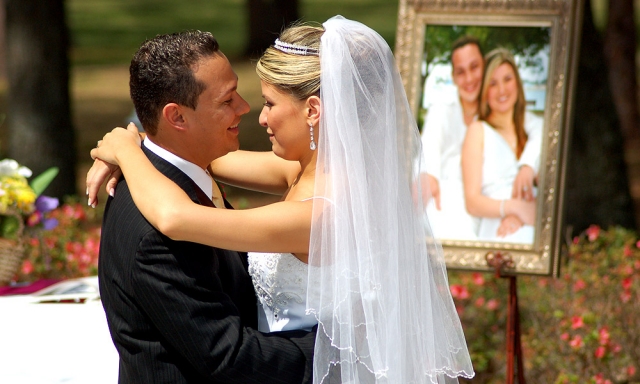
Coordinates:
[216,195]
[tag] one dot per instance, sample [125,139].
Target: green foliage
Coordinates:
[522,41]
[42,181]
[9,226]
[580,328]
[380,15]
[110,31]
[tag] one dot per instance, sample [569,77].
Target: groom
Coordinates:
[181,312]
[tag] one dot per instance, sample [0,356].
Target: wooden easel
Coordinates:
[502,263]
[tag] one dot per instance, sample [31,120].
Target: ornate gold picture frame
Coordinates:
[557,18]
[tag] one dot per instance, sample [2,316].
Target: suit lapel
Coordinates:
[179,177]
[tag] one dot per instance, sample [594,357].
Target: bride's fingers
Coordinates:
[95,176]
[98,173]
[112,182]
[94,154]
[134,129]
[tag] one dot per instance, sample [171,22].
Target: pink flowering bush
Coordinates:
[583,327]
[69,250]
[481,302]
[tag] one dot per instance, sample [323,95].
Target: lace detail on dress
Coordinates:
[280,282]
[273,272]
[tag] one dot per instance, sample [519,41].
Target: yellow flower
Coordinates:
[16,193]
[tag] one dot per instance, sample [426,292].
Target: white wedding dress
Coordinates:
[280,282]
[499,170]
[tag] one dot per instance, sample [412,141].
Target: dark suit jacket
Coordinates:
[181,312]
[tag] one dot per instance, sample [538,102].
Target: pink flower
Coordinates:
[27,267]
[577,322]
[459,291]
[564,336]
[616,348]
[579,285]
[627,251]
[600,352]
[627,270]
[50,242]
[480,302]
[455,290]
[631,370]
[593,232]
[638,244]
[636,264]
[492,304]
[478,279]
[576,342]
[576,240]
[34,219]
[599,378]
[625,296]
[604,336]
[626,283]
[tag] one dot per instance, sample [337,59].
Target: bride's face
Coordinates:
[285,120]
[502,92]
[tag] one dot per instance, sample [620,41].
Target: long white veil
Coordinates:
[384,309]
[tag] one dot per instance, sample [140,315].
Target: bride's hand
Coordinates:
[114,142]
[99,172]
[102,170]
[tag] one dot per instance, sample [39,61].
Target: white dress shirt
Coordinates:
[197,174]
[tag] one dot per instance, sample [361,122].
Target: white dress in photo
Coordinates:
[499,169]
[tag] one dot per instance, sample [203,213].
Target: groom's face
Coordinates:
[468,65]
[214,122]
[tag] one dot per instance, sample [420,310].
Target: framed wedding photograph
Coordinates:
[541,39]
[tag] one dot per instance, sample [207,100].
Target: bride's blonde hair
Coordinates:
[297,74]
[493,60]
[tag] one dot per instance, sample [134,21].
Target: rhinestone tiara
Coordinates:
[295,49]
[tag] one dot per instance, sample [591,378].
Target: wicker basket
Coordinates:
[11,252]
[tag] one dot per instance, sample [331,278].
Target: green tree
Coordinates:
[525,42]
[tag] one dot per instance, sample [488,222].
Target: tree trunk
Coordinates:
[620,52]
[267,18]
[40,131]
[597,186]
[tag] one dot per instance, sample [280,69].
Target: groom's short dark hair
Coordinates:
[464,41]
[161,72]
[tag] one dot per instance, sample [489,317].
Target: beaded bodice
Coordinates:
[280,282]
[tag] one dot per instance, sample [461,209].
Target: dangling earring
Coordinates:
[312,145]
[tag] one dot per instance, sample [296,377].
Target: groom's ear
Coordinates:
[314,109]
[173,114]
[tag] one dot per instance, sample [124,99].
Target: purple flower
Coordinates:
[45,203]
[49,224]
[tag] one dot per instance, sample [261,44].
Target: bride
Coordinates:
[348,247]
[490,153]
